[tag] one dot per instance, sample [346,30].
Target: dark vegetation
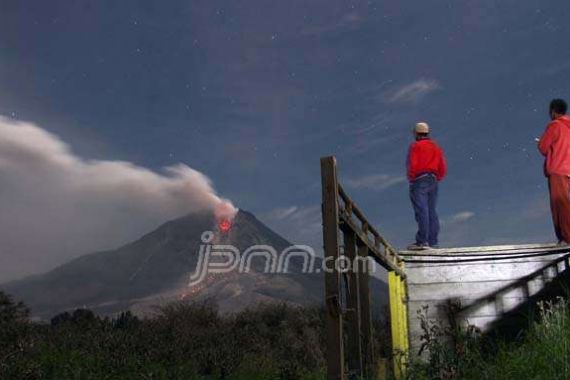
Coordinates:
[542,351]
[270,341]
[182,341]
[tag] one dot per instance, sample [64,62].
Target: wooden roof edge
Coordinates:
[491,249]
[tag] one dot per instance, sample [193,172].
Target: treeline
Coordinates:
[194,341]
[182,341]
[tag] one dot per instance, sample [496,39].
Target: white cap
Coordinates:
[422,128]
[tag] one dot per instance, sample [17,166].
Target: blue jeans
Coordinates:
[423,194]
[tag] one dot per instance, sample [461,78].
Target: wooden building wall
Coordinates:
[486,290]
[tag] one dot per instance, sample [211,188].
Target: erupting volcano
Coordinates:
[155,270]
[225,225]
[225,213]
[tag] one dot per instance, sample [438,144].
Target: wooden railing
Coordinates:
[350,315]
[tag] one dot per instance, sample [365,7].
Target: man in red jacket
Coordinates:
[555,147]
[426,167]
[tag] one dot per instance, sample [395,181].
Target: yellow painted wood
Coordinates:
[398,322]
[393,284]
[405,317]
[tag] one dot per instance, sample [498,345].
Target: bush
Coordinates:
[544,352]
[183,341]
[452,351]
[14,330]
[461,353]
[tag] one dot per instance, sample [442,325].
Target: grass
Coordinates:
[543,352]
[193,341]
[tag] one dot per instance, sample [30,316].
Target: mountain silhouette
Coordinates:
[156,269]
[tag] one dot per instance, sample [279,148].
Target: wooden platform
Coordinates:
[492,249]
[486,282]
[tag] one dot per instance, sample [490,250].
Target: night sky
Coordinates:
[252,93]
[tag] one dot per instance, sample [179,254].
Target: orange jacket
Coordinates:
[555,146]
[425,156]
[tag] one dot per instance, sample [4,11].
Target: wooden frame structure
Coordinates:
[349,312]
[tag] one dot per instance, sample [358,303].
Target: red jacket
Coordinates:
[555,146]
[425,156]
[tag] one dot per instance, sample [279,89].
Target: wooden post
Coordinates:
[405,320]
[399,323]
[335,354]
[365,312]
[353,333]
[358,245]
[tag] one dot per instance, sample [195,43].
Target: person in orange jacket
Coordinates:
[426,167]
[555,147]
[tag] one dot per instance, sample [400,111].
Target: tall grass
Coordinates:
[542,353]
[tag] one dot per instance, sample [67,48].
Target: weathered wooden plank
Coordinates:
[365,313]
[374,250]
[492,249]
[450,262]
[353,333]
[394,286]
[405,320]
[480,273]
[486,289]
[475,290]
[360,215]
[483,323]
[495,307]
[442,262]
[335,349]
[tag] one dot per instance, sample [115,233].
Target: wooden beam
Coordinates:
[492,250]
[353,333]
[394,286]
[362,241]
[360,215]
[335,349]
[365,312]
[405,321]
[378,256]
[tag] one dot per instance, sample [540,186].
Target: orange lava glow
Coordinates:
[225,225]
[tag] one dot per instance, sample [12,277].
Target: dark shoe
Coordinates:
[418,247]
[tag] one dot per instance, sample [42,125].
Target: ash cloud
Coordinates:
[55,205]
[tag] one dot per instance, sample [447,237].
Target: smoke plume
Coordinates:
[55,205]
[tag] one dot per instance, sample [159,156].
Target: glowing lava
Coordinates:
[224,214]
[225,225]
